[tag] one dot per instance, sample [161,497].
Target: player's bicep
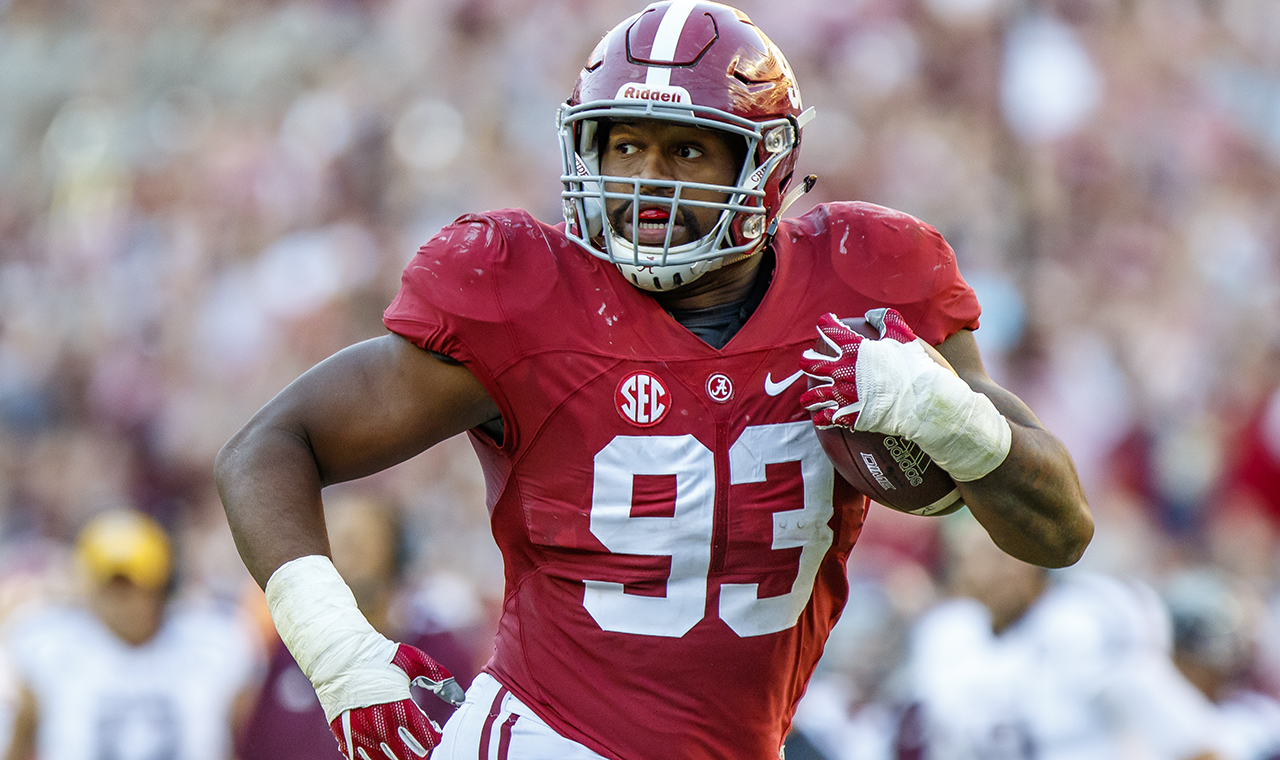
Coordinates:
[377,403]
[961,351]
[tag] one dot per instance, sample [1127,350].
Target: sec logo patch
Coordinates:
[642,399]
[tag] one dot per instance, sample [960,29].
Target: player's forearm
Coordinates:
[1032,504]
[270,488]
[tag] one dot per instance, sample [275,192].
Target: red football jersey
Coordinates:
[674,537]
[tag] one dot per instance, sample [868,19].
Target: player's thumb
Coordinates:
[426,672]
[890,324]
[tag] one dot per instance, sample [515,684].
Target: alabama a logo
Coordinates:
[720,388]
[642,399]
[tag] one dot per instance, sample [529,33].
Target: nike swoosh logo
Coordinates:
[773,388]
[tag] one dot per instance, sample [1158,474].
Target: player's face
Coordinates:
[661,150]
[131,611]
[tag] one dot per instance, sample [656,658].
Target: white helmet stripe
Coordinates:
[667,39]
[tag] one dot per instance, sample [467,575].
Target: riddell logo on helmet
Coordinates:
[654,92]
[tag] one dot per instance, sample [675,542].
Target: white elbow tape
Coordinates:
[905,392]
[347,661]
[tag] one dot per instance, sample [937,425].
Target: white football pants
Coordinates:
[491,724]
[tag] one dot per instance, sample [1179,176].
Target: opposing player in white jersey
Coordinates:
[1217,630]
[126,675]
[1076,667]
[674,537]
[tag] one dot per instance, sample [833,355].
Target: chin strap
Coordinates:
[795,194]
[791,198]
[661,278]
[745,254]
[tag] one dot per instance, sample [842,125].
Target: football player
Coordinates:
[1054,667]
[674,538]
[1216,632]
[127,674]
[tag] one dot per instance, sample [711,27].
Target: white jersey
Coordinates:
[1084,675]
[101,699]
[1249,724]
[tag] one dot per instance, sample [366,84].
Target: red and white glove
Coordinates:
[894,387]
[361,677]
[833,400]
[397,730]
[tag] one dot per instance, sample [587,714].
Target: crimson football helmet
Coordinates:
[697,63]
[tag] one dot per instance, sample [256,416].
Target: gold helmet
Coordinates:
[125,543]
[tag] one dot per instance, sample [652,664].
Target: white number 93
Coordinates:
[686,536]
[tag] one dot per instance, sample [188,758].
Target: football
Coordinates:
[887,469]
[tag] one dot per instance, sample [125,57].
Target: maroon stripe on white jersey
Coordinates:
[504,741]
[494,710]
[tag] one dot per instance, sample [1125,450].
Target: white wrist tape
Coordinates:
[905,392]
[348,662]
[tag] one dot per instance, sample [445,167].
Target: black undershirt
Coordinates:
[716,325]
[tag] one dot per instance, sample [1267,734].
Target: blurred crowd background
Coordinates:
[199,199]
